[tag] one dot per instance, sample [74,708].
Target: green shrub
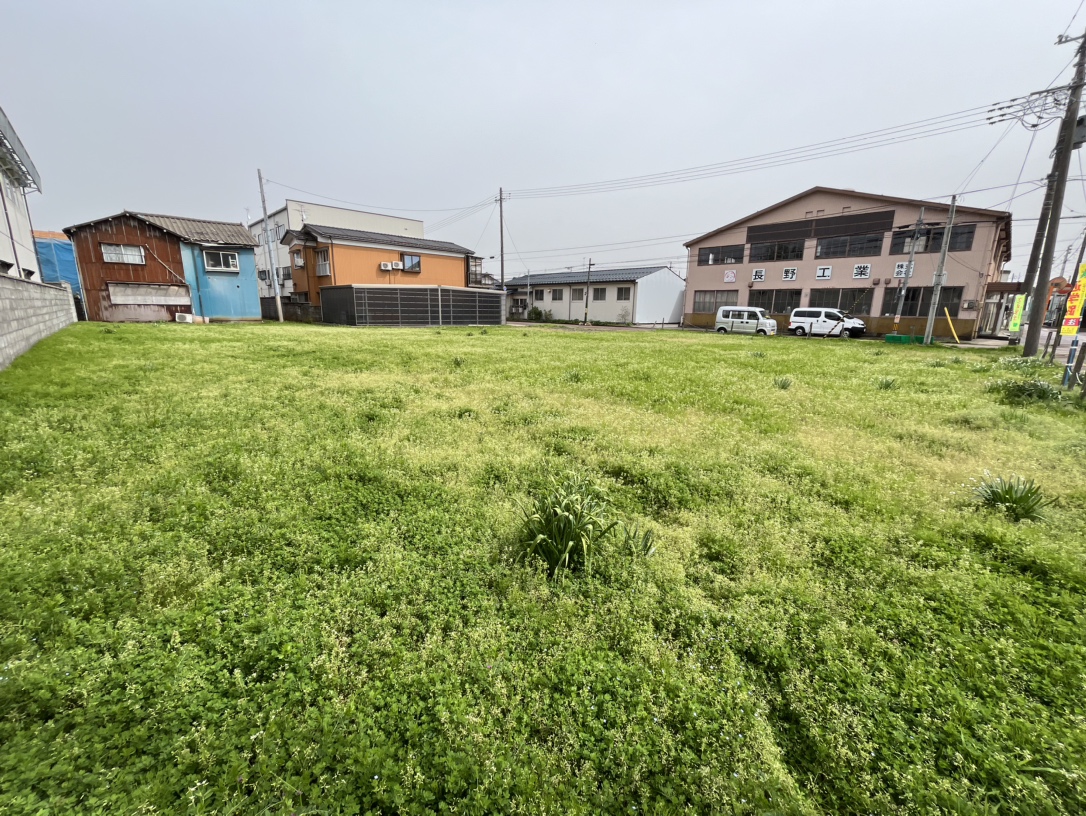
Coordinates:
[886,383]
[565,526]
[1019,392]
[783,383]
[1020,499]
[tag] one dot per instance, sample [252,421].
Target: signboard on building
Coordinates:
[1073,311]
[1016,313]
[729,276]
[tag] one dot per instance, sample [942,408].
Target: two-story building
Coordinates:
[848,250]
[141,267]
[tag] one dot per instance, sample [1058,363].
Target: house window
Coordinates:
[262,274]
[216,261]
[789,273]
[849,246]
[324,267]
[280,230]
[122,253]
[599,293]
[299,261]
[284,273]
[707,301]
[538,293]
[777,251]
[622,293]
[824,272]
[556,294]
[300,297]
[918,301]
[710,256]
[411,263]
[577,293]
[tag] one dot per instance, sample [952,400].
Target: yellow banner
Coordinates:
[1073,311]
[1016,315]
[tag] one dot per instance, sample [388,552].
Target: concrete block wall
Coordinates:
[29,312]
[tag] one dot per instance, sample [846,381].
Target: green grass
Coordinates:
[262,569]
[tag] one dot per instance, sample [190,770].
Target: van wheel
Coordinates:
[763,332]
[721,330]
[800,331]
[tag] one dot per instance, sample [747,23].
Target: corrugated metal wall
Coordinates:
[410,306]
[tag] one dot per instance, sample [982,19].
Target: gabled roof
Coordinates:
[380,238]
[598,276]
[916,202]
[190,230]
[14,158]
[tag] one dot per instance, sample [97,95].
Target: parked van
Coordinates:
[744,320]
[833,322]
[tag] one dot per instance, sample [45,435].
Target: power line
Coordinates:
[357,204]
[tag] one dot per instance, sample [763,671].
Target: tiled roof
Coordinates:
[402,241]
[598,276]
[192,230]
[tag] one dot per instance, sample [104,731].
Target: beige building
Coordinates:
[842,249]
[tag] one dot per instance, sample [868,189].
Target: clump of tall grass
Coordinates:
[1023,363]
[458,361]
[573,376]
[1020,392]
[937,364]
[756,353]
[886,383]
[783,383]
[1019,499]
[565,526]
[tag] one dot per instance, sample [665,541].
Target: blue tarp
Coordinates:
[58,262]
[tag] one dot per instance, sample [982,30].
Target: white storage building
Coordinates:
[641,295]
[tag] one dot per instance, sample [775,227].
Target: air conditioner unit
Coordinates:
[182,317]
[969,305]
[397,264]
[386,266]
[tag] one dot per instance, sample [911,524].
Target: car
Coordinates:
[744,320]
[832,322]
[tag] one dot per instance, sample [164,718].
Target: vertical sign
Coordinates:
[1016,315]
[1073,311]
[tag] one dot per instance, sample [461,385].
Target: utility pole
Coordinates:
[940,273]
[272,256]
[1060,164]
[908,269]
[501,230]
[587,284]
[1035,253]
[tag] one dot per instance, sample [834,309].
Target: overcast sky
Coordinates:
[171,107]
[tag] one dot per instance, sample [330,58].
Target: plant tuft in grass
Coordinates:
[886,383]
[1021,392]
[458,361]
[1020,499]
[484,331]
[636,543]
[565,526]
[783,383]
[1023,363]
[756,353]
[471,334]
[878,353]
[937,364]
[573,376]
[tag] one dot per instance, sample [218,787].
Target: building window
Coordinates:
[777,251]
[761,298]
[918,301]
[538,294]
[599,293]
[825,298]
[324,267]
[556,294]
[411,263]
[262,274]
[577,293]
[849,246]
[824,272]
[216,261]
[707,301]
[854,301]
[122,253]
[284,273]
[789,273]
[280,231]
[299,261]
[930,239]
[775,301]
[300,297]
[710,256]
[757,275]
[623,293]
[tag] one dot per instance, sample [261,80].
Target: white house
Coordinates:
[640,295]
[18,256]
[294,215]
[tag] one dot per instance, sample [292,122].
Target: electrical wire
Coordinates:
[357,204]
[976,169]
[1064,34]
[487,224]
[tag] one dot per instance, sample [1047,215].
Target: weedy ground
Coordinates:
[259,569]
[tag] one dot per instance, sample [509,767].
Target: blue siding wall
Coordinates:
[222,295]
[58,262]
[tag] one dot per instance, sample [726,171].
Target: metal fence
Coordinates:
[411,306]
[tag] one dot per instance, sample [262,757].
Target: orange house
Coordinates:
[331,256]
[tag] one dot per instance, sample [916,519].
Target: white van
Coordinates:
[744,320]
[833,322]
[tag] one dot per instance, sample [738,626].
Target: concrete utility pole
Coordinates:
[1035,253]
[587,285]
[940,273]
[1061,162]
[272,256]
[501,230]
[908,270]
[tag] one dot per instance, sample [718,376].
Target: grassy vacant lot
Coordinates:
[263,570]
